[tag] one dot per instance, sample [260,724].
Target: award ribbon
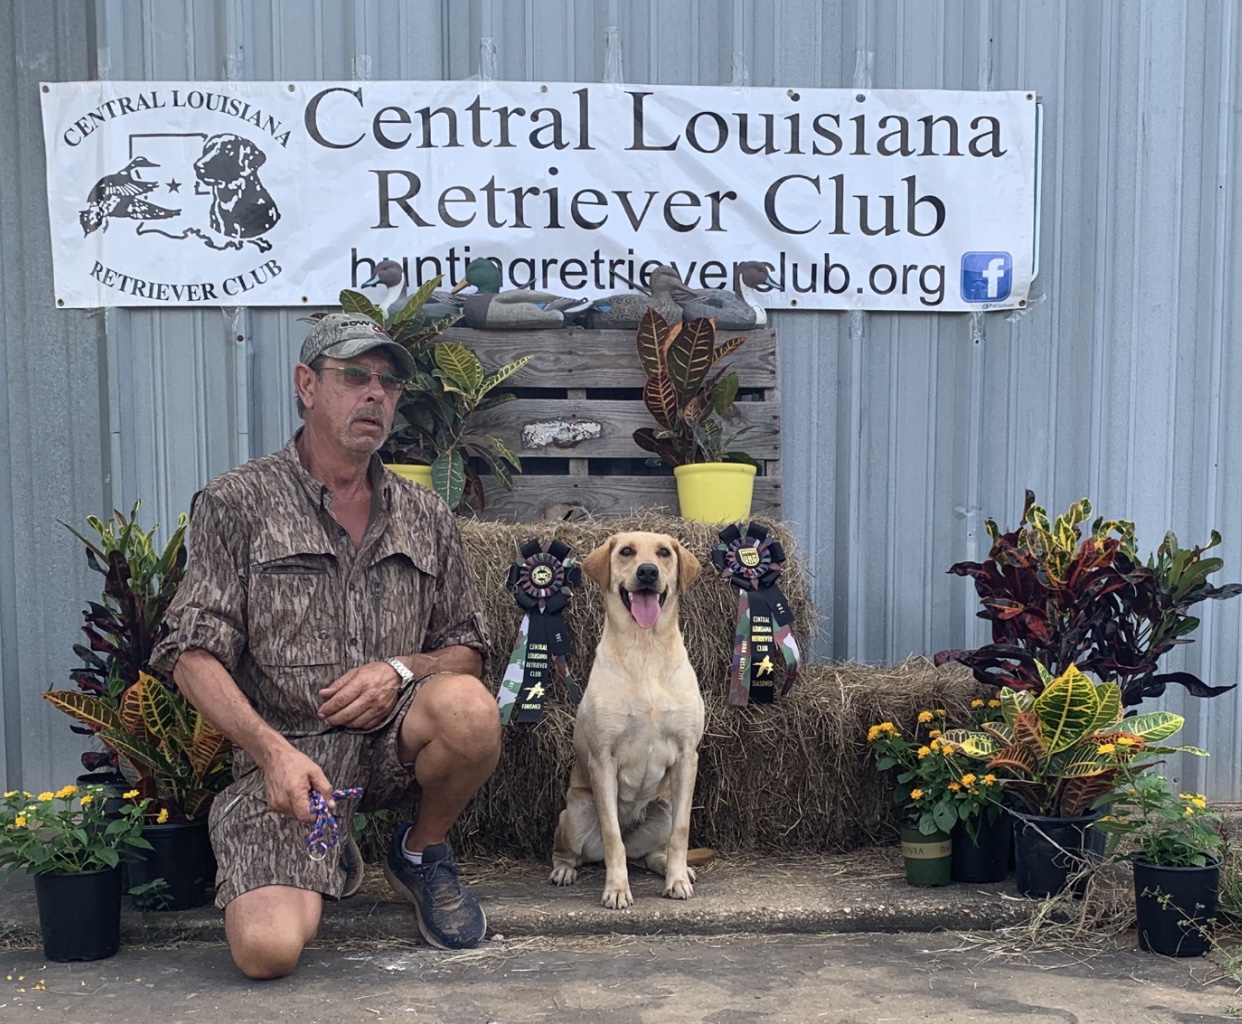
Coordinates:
[542,584]
[752,561]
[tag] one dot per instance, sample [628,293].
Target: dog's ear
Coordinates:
[598,565]
[688,567]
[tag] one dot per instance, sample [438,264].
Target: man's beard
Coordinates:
[364,445]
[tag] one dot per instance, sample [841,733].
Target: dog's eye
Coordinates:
[627,551]
[664,553]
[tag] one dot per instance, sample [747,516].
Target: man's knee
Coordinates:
[268,927]
[463,712]
[263,953]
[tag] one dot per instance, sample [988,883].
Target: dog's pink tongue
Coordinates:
[645,607]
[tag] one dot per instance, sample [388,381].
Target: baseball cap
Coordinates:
[345,335]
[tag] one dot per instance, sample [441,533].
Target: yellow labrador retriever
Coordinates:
[638,727]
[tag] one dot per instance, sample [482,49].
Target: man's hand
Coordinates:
[290,776]
[361,698]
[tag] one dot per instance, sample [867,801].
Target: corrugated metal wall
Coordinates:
[1118,383]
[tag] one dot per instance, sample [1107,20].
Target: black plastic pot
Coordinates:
[1047,851]
[181,856]
[986,860]
[80,914]
[114,785]
[1176,908]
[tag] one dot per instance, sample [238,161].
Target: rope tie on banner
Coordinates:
[752,561]
[542,583]
[325,833]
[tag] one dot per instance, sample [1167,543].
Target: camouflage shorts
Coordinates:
[255,846]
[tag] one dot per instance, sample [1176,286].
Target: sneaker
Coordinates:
[448,915]
[351,867]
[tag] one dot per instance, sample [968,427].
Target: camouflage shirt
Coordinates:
[276,591]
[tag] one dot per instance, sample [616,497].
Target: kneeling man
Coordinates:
[328,624]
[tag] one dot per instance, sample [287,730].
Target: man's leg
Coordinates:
[268,927]
[451,735]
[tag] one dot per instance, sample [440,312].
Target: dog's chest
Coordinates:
[647,746]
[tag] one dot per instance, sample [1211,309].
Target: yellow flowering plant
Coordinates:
[1150,822]
[68,831]
[935,786]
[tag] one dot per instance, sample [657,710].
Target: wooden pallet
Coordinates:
[580,401]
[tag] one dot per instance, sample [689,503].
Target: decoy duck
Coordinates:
[391,276]
[624,311]
[516,309]
[734,311]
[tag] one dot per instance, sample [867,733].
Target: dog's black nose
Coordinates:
[648,574]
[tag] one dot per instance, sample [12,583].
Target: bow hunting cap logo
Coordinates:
[345,335]
[748,556]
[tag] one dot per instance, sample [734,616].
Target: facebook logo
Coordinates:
[986,276]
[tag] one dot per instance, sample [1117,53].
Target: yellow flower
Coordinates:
[976,703]
[954,787]
[11,793]
[1126,741]
[968,779]
[163,816]
[925,717]
[916,794]
[923,752]
[87,800]
[20,821]
[935,745]
[947,749]
[989,779]
[934,734]
[1108,748]
[65,792]
[940,712]
[131,795]
[994,703]
[1194,799]
[47,794]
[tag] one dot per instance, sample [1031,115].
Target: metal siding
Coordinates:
[1114,383]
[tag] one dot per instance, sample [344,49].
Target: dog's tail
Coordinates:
[699,856]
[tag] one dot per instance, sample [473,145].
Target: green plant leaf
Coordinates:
[85,708]
[448,476]
[503,374]
[1067,709]
[724,393]
[414,305]
[359,304]
[1153,726]
[461,366]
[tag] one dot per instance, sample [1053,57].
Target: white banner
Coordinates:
[280,194]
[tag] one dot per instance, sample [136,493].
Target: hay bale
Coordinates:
[793,776]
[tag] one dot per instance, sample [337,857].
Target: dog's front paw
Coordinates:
[617,897]
[562,875]
[679,888]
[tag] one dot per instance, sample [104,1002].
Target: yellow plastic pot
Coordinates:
[715,492]
[411,471]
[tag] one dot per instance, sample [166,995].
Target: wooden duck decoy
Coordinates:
[625,310]
[514,310]
[734,311]
[391,276]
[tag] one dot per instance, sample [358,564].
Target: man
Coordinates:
[329,626]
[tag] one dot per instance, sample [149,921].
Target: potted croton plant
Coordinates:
[435,432]
[1056,598]
[688,394]
[1058,752]
[73,847]
[180,762]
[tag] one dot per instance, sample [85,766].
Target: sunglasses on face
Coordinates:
[360,377]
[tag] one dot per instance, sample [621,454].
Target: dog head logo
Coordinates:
[225,204]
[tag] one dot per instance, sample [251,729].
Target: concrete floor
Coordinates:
[737,979]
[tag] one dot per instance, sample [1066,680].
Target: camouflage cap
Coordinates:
[345,335]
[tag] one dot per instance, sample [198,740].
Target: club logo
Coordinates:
[748,556]
[541,575]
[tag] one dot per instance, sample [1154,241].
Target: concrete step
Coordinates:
[857,892]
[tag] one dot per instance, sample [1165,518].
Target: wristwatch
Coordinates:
[407,677]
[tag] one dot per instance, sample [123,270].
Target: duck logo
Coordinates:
[205,187]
